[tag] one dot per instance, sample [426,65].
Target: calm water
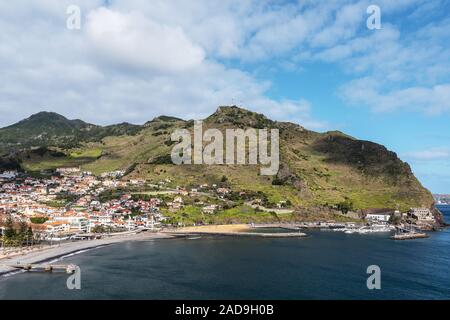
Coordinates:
[328,265]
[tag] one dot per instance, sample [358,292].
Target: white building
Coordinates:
[210,209]
[76,223]
[150,222]
[378,217]
[68,170]
[56,227]
[104,219]
[131,224]
[8,175]
[421,214]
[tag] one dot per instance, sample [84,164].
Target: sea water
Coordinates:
[326,265]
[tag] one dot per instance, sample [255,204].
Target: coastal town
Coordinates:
[72,204]
[67,204]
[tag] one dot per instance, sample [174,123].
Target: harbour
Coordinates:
[325,265]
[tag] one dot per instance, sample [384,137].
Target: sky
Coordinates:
[315,63]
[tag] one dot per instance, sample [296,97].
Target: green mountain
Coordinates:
[52,129]
[318,170]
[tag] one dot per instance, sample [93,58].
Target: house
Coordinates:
[149,222]
[175,205]
[76,223]
[137,181]
[56,227]
[131,224]
[178,200]
[210,209]
[7,175]
[223,190]
[102,219]
[378,217]
[421,214]
[281,204]
[67,170]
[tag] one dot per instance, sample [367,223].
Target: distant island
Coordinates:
[442,198]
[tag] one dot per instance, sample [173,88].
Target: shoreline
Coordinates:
[58,251]
[237,230]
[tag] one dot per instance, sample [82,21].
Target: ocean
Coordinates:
[326,265]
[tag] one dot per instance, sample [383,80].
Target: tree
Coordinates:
[395,219]
[277,181]
[345,206]
[38,220]
[21,234]
[30,234]
[23,228]
[9,233]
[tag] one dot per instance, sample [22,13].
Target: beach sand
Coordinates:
[217,228]
[231,230]
[227,228]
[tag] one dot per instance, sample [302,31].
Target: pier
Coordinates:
[69,268]
[409,236]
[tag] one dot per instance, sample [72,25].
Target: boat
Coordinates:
[193,238]
[409,236]
[405,234]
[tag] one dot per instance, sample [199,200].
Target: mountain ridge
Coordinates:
[47,128]
[317,169]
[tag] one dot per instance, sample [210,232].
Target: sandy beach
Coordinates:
[46,253]
[216,228]
[231,230]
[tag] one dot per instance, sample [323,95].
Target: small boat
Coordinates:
[409,236]
[404,234]
[193,238]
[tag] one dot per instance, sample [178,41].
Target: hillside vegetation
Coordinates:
[317,169]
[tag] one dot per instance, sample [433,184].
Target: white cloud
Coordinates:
[298,111]
[345,25]
[368,92]
[132,40]
[136,59]
[129,65]
[394,71]
[429,155]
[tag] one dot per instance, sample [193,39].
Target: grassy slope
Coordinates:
[325,178]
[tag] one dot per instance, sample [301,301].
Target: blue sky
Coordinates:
[311,62]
